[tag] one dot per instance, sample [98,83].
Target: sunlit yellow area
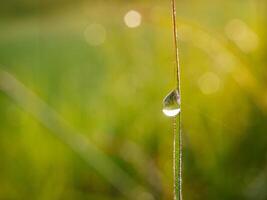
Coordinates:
[238,31]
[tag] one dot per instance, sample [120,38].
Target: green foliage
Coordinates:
[112,94]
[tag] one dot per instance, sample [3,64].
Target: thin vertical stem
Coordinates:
[177,158]
[175,38]
[177,149]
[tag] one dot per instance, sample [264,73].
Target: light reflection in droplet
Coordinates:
[171,104]
[171,113]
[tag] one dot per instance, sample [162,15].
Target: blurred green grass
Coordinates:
[112,93]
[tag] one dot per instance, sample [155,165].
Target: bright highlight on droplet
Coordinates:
[132,19]
[171,113]
[171,104]
[95,34]
[209,83]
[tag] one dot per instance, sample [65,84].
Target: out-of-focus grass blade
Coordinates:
[94,157]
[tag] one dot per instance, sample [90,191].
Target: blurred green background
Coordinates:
[81,89]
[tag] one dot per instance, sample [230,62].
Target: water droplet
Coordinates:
[171,104]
